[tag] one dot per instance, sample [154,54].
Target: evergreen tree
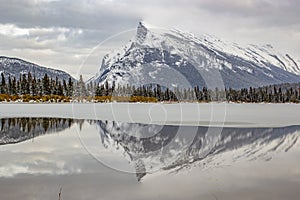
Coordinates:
[24,85]
[40,87]
[29,84]
[106,88]
[46,85]
[60,89]
[70,88]
[14,86]
[65,88]
[100,91]
[9,88]
[80,90]
[34,87]
[3,84]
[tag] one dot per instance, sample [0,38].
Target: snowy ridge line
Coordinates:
[257,54]
[14,67]
[154,55]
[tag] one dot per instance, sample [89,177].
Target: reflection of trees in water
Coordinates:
[14,130]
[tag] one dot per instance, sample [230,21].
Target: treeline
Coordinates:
[30,85]
[28,88]
[281,93]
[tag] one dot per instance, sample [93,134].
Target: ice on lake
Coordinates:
[193,114]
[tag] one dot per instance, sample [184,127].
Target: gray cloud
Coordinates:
[266,12]
[66,13]
[62,33]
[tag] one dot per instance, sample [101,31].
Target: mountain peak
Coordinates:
[142,24]
[156,54]
[142,32]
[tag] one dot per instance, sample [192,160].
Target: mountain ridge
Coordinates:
[154,56]
[13,66]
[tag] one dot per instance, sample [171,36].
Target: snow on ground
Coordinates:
[202,114]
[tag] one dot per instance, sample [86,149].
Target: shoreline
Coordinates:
[159,102]
[185,114]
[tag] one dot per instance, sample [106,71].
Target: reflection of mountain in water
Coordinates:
[159,147]
[14,130]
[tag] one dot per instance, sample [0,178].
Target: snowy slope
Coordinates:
[175,58]
[14,67]
[262,55]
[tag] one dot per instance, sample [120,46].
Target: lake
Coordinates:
[107,159]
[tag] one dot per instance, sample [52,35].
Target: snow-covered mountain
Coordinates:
[153,148]
[13,67]
[174,58]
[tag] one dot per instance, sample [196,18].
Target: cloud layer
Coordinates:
[62,33]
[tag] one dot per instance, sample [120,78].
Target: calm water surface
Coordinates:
[93,159]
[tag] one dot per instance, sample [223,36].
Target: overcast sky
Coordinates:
[62,33]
